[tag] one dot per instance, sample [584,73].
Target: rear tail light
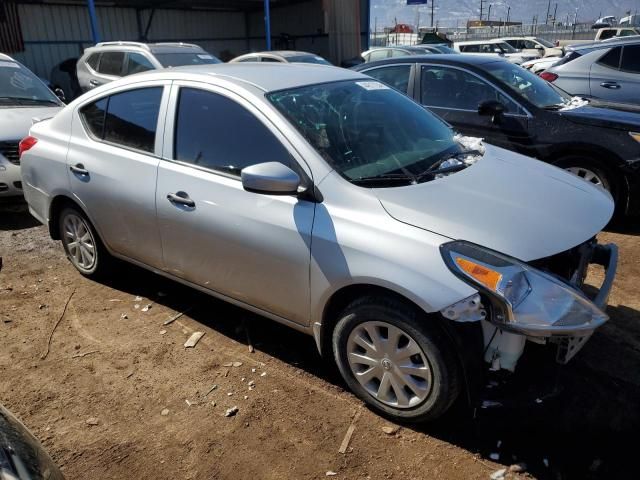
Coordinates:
[25,144]
[548,76]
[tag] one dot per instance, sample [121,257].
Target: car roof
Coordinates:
[280,53]
[446,58]
[6,57]
[477,42]
[160,47]
[607,44]
[268,77]
[517,38]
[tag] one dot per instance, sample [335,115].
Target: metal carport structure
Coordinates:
[54,30]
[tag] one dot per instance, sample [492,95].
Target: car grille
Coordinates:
[10,151]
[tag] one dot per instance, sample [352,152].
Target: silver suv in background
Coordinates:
[108,61]
[609,70]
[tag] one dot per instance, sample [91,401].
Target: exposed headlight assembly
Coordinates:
[524,299]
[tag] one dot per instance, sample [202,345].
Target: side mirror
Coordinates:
[539,47]
[493,109]
[60,94]
[270,178]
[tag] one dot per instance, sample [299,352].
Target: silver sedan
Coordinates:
[323,199]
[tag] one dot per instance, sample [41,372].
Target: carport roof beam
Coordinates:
[95,31]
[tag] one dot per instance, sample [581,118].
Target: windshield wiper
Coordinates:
[27,99]
[435,169]
[557,106]
[400,178]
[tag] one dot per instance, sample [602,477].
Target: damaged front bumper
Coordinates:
[543,301]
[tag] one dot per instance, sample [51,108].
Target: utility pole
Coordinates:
[508,12]
[489,14]
[432,7]
[555,11]
[546,19]
[482,2]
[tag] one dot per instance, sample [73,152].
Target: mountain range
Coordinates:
[448,13]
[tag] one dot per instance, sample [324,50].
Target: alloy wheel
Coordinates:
[389,364]
[79,242]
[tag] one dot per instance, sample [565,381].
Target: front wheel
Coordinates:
[396,359]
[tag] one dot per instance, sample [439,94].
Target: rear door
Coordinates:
[109,68]
[249,247]
[113,159]
[455,94]
[609,79]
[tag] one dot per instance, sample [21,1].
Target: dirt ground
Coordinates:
[113,363]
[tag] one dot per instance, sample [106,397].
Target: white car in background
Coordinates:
[539,65]
[24,99]
[493,48]
[534,46]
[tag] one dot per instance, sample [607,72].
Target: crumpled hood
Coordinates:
[15,122]
[606,114]
[507,202]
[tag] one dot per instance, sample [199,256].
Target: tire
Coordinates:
[591,171]
[401,397]
[89,257]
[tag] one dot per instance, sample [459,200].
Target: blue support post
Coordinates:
[267,24]
[95,32]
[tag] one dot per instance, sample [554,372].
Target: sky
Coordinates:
[447,12]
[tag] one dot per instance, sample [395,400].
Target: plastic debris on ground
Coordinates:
[193,339]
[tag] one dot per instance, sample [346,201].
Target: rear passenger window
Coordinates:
[93,115]
[111,63]
[212,130]
[611,59]
[128,119]
[631,59]
[92,61]
[396,76]
[378,55]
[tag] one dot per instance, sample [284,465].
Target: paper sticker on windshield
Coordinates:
[205,57]
[372,85]
[9,64]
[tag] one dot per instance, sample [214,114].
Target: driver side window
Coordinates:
[443,87]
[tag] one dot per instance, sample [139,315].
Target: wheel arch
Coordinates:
[461,336]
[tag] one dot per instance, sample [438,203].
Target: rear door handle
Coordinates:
[94,83]
[610,85]
[181,198]
[79,169]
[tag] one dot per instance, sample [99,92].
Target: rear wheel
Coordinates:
[396,359]
[82,244]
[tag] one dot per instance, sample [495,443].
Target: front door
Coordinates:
[455,94]
[113,159]
[253,248]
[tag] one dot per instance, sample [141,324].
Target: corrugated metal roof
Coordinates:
[228,5]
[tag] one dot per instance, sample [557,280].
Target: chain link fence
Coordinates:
[547,32]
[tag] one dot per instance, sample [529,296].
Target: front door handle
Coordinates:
[610,85]
[181,198]
[79,169]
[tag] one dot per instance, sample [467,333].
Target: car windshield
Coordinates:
[367,131]
[524,83]
[19,86]
[544,42]
[180,59]
[308,59]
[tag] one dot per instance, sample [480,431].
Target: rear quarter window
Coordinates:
[611,59]
[128,119]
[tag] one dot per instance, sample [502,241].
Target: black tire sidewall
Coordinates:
[435,345]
